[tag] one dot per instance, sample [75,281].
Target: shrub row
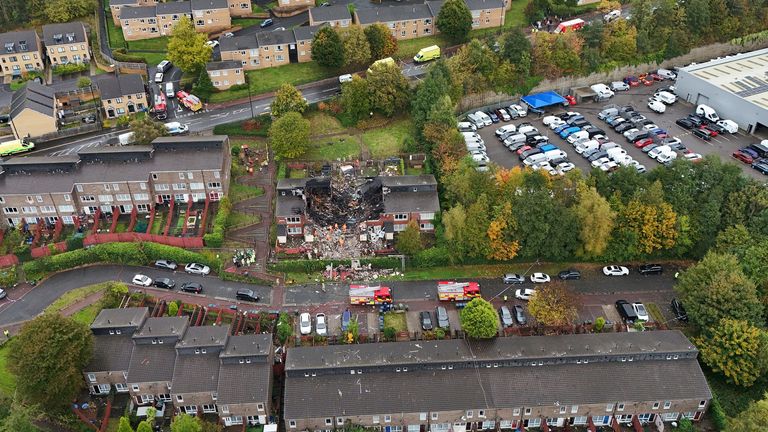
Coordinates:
[215,238]
[310,266]
[69,68]
[235,277]
[121,54]
[257,126]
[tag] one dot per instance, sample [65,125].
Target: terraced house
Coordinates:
[586,380]
[269,49]
[169,13]
[20,52]
[116,5]
[405,22]
[66,43]
[121,95]
[225,74]
[334,16]
[210,16]
[149,20]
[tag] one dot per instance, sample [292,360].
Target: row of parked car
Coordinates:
[480,119]
[755,155]
[534,149]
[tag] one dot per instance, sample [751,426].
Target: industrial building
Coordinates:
[735,86]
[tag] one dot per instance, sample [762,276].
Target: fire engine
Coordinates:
[190,101]
[369,295]
[160,107]
[457,291]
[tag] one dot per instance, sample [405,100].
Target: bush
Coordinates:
[69,68]
[74,242]
[23,252]
[717,414]
[173,309]
[599,324]
[215,238]
[121,55]
[311,266]
[439,333]
[389,333]
[8,276]
[84,82]
[284,327]
[432,257]
[238,87]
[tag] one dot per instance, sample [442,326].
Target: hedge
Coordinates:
[215,238]
[116,253]
[311,266]
[432,257]
[717,414]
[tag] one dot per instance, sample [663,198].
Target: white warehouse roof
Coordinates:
[745,75]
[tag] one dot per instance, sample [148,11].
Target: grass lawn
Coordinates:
[158,225]
[332,148]
[115,34]
[247,22]
[239,192]
[256,9]
[269,79]
[7,379]
[480,271]
[87,314]
[408,48]
[515,16]
[71,297]
[15,85]
[154,44]
[151,58]
[322,123]
[240,219]
[396,320]
[388,141]
[413,171]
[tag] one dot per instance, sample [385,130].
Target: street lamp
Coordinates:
[250,102]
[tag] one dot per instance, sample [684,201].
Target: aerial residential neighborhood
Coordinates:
[397,216]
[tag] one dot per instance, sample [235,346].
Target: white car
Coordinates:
[305,324]
[321,327]
[198,269]
[517,111]
[614,270]
[564,167]
[598,162]
[142,280]
[612,15]
[3,294]
[693,157]
[609,166]
[524,293]
[540,278]
[729,125]
[630,132]
[504,115]
[650,127]
[556,123]
[159,77]
[345,78]
[212,43]
[657,106]
[619,86]
[505,129]
[653,154]
[641,312]
[229,35]
[547,120]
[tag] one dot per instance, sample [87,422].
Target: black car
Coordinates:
[679,310]
[246,295]
[684,123]
[530,152]
[165,283]
[646,269]
[5,118]
[266,23]
[626,310]
[426,320]
[581,123]
[622,127]
[696,120]
[637,136]
[627,108]
[517,146]
[569,274]
[520,315]
[759,149]
[716,127]
[598,155]
[493,116]
[702,134]
[761,166]
[593,130]
[574,119]
[193,287]
[166,264]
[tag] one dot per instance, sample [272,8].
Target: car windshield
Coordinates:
[304,320]
[640,309]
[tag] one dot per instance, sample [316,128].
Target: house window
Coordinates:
[135,387]
[375,419]
[11,210]
[655,405]
[294,230]
[434,416]
[580,420]
[702,404]
[401,216]
[563,409]
[516,412]
[489,424]
[92,378]
[609,407]
[620,407]
[481,413]
[667,404]
[121,388]
[387,418]
[329,422]
[339,421]
[145,399]
[422,416]
[292,424]
[179,398]
[164,397]
[260,407]
[470,414]
[527,411]
[209,409]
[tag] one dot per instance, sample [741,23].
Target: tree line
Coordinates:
[22,13]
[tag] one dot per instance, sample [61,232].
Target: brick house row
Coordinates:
[110,179]
[586,380]
[144,19]
[23,51]
[198,369]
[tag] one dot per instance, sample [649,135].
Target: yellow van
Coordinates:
[427,54]
[386,61]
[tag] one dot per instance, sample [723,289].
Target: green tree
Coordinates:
[751,419]
[516,44]
[289,135]
[203,87]
[476,231]
[479,320]
[144,427]
[20,419]
[145,130]
[83,82]
[48,357]
[715,281]
[435,85]
[554,304]
[388,88]
[619,42]
[173,309]
[60,11]
[357,51]
[187,48]
[736,349]
[597,220]
[698,17]
[454,225]
[327,49]
[408,241]
[185,423]
[114,293]
[125,425]
[381,41]
[288,99]
[455,20]
[356,98]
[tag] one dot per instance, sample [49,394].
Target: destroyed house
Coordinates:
[462,385]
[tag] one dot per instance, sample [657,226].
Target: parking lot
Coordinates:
[722,145]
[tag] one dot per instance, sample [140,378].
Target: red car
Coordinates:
[712,133]
[523,148]
[655,77]
[632,81]
[747,159]
[570,100]
[644,142]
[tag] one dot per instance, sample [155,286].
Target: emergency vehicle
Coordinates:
[369,295]
[457,291]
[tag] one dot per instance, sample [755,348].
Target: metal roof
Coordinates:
[745,75]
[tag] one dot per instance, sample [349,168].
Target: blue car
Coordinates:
[546,147]
[566,132]
[659,131]
[562,128]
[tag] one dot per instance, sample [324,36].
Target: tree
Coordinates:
[408,241]
[327,49]
[737,349]
[597,220]
[173,308]
[357,51]
[501,230]
[381,41]
[114,293]
[715,281]
[60,11]
[289,135]
[479,320]
[455,20]
[751,419]
[476,231]
[454,224]
[619,42]
[185,423]
[388,88]
[515,45]
[144,427]
[203,87]
[606,6]
[288,99]
[20,419]
[83,82]
[554,304]
[356,99]
[435,85]
[145,130]
[125,425]
[48,357]
[187,48]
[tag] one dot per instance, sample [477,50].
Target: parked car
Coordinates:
[165,283]
[614,270]
[657,106]
[426,320]
[569,274]
[701,134]
[506,317]
[624,127]
[632,81]
[641,312]
[492,115]
[709,130]
[321,327]
[643,142]
[743,157]
[679,310]
[166,264]
[684,123]
[513,278]
[626,311]
[266,23]
[305,323]
[761,166]
[142,280]
[193,287]
[212,43]
[693,157]
[524,293]
[247,295]
[520,315]
[540,277]
[503,114]
[198,269]
[442,317]
[750,152]
[649,148]
[3,294]
[646,269]
[517,111]
[159,77]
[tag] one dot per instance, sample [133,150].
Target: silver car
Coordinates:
[442,317]
[513,278]
[506,317]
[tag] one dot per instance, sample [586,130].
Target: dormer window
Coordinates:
[9,47]
[57,38]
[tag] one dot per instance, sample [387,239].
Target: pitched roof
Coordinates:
[238,43]
[110,353]
[243,383]
[174,7]
[33,96]
[111,86]
[195,373]
[151,363]
[484,4]
[125,317]
[209,4]
[64,33]
[289,183]
[306,32]
[223,65]
[163,327]
[405,202]
[408,180]
[435,6]
[18,41]
[133,12]
[330,13]
[275,37]
[123,2]
[248,345]
[393,13]
[289,206]
[204,336]
[430,390]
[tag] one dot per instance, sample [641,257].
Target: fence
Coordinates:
[46,250]
[8,260]
[182,242]
[64,133]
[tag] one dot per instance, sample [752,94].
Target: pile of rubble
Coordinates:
[357,272]
[343,200]
[341,241]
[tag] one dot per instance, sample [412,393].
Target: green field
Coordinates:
[323,124]
[408,48]
[115,34]
[87,314]
[154,44]
[7,379]
[269,79]
[388,141]
[332,148]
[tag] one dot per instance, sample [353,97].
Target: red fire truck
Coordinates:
[160,107]
[369,295]
[571,25]
[457,291]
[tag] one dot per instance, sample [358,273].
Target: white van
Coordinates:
[486,120]
[506,129]
[707,112]
[666,157]
[555,154]
[476,120]
[466,127]
[666,73]
[514,139]
[729,125]
[666,97]
[527,128]
[586,146]
[616,153]
[536,158]
[653,154]
[471,135]
[475,147]
[602,90]
[345,78]
[572,138]
[612,15]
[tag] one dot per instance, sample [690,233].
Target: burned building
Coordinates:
[360,214]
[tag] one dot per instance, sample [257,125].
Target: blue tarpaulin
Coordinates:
[545,99]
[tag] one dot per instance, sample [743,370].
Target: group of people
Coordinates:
[548,23]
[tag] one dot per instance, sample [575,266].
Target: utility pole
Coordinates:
[250,102]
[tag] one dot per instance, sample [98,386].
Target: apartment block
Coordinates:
[121,94]
[168,14]
[295,4]
[225,74]
[404,22]
[239,8]
[502,383]
[334,16]
[269,49]
[66,43]
[486,13]
[116,5]
[33,111]
[210,16]
[276,48]
[139,22]
[41,189]
[21,52]
[304,37]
